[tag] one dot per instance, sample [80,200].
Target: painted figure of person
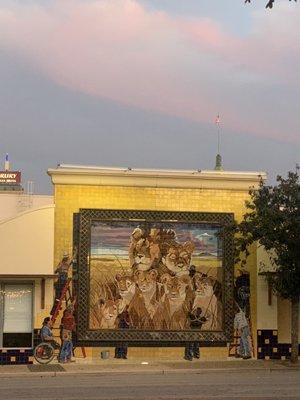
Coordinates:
[192,349]
[62,271]
[124,323]
[46,333]
[62,277]
[67,327]
[242,291]
[242,326]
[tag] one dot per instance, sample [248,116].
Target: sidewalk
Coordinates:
[112,366]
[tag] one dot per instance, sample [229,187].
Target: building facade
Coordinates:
[81,190]
[26,270]
[140,230]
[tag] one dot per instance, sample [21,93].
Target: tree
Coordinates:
[269,4]
[273,220]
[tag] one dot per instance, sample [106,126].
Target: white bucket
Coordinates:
[104,354]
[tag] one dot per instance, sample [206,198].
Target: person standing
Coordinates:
[242,327]
[124,323]
[192,349]
[67,327]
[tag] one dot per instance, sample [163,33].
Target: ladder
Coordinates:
[233,346]
[67,297]
[64,296]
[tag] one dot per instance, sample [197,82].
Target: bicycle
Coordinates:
[45,352]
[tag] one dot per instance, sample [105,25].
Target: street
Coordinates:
[189,385]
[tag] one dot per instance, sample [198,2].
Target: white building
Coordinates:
[26,269]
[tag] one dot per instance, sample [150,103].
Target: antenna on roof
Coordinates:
[218,166]
[6,163]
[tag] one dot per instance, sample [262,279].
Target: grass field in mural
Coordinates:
[158,276]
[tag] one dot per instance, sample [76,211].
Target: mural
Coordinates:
[162,276]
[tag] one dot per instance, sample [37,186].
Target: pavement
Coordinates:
[150,366]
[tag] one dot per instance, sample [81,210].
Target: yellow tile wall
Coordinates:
[70,198]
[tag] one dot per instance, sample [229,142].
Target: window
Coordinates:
[16,315]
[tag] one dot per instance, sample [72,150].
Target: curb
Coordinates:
[146,371]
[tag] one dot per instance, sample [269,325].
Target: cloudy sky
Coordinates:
[139,83]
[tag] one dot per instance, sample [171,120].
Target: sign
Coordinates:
[10,177]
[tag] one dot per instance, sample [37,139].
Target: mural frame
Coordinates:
[81,239]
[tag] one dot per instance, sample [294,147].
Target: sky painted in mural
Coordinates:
[114,237]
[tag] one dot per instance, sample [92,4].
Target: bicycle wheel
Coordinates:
[44,353]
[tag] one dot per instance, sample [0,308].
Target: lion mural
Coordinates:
[150,278]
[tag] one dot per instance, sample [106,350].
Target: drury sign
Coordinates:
[10,177]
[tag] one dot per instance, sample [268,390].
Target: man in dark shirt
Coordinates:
[192,349]
[197,319]
[124,323]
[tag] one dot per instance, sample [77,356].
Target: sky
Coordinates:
[138,83]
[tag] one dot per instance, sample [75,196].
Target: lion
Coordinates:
[175,304]
[145,304]
[206,297]
[139,250]
[177,258]
[125,290]
[105,314]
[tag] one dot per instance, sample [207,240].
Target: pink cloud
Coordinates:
[268,49]
[190,68]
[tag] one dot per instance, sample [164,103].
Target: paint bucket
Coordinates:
[104,354]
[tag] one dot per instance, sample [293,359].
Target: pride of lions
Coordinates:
[161,290]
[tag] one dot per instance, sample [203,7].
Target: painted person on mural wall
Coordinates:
[121,351]
[62,272]
[46,334]
[62,277]
[145,270]
[242,327]
[197,319]
[67,326]
[242,291]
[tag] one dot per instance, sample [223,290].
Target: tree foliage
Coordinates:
[269,4]
[273,220]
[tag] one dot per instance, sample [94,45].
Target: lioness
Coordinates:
[205,298]
[177,258]
[105,315]
[175,305]
[144,305]
[125,290]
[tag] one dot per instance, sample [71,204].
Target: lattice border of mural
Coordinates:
[82,237]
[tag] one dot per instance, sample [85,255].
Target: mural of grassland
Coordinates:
[158,276]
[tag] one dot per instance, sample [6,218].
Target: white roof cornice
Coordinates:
[114,176]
